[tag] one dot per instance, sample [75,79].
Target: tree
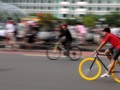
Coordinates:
[89,20]
[45,18]
[71,21]
[113,18]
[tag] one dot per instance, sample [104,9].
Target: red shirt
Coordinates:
[113,39]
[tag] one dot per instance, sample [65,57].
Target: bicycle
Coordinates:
[91,68]
[74,52]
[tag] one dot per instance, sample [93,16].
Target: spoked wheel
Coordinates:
[53,55]
[75,53]
[87,72]
[116,72]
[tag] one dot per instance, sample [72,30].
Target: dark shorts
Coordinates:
[115,52]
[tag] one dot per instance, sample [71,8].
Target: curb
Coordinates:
[85,48]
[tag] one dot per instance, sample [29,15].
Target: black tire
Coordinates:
[75,53]
[53,55]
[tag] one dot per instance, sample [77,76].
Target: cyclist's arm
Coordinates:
[105,40]
[100,46]
[62,34]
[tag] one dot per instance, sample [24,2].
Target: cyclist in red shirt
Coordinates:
[115,50]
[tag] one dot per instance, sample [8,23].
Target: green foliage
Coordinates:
[89,20]
[113,18]
[71,21]
[45,18]
[32,14]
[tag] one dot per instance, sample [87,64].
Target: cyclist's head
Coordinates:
[63,26]
[107,29]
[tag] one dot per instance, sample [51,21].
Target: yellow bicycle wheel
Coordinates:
[87,73]
[116,73]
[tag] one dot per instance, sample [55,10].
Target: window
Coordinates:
[82,0]
[99,1]
[73,1]
[49,1]
[108,8]
[35,7]
[117,9]
[35,1]
[81,7]
[42,1]
[108,1]
[90,1]
[99,8]
[65,7]
[81,15]
[49,7]
[4,0]
[19,6]
[41,7]
[28,1]
[13,1]
[64,15]
[73,8]
[72,16]
[57,1]
[90,8]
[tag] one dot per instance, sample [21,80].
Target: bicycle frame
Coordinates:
[63,47]
[97,58]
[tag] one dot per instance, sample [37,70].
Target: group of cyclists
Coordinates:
[65,39]
[112,53]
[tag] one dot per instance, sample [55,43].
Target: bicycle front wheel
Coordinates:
[75,53]
[90,69]
[53,55]
[116,73]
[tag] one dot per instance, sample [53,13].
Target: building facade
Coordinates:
[67,8]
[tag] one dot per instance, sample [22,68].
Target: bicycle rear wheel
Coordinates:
[116,73]
[53,55]
[87,72]
[74,53]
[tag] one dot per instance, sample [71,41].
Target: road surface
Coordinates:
[27,71]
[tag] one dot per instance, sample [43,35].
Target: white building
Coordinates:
[67,8]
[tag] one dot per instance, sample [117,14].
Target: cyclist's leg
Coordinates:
[113,60]
[109,53]
[67,45]
[56,46]
[62,46]
[115,69]
[115,55]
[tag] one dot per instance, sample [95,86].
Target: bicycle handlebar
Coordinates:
[100,54]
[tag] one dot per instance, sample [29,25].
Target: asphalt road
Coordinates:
[27,72]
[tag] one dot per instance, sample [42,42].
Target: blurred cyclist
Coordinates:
[10,35]
[81,32]
[65,38]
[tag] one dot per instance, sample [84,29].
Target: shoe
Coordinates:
[105,75]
